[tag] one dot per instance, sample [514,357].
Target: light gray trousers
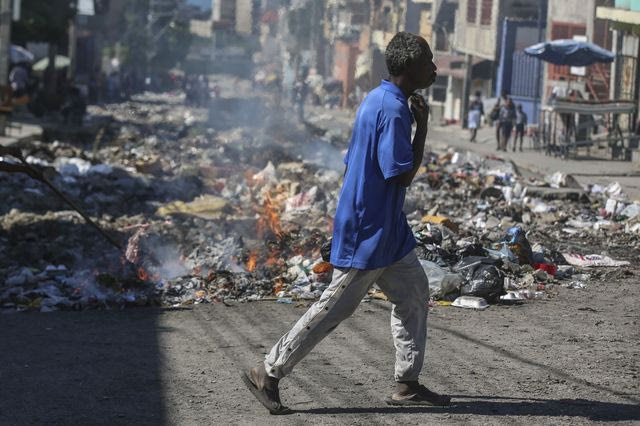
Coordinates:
[405,285]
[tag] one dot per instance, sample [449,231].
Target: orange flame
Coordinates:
[269,218]
[142,274]
[278,285]
[251,263]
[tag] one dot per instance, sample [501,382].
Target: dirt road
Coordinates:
[567,360]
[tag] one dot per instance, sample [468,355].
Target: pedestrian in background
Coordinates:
[476,111]
[300,91]
[521,125]
[506,121]
[494,115]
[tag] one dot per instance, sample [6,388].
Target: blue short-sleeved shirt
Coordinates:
[370,230]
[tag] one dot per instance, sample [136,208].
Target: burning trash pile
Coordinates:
[202,214]
[211,212]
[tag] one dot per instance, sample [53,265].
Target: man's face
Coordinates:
[423,72]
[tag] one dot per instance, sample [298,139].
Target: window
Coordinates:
[472,9]
[359,14]
[228,10]
[485,12]
[439,89]
[562,30]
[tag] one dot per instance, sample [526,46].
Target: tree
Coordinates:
[45,21]
[173,46]
[153,45]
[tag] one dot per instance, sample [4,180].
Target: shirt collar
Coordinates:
[390,87]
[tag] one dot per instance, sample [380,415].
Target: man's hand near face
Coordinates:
[420,111]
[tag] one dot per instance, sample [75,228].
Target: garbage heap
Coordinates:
[211,211]
[496,234]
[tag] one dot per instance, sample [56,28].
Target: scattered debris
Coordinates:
[216,210]
[470,302]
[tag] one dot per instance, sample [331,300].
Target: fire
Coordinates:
[251,263]
[269,218]
[142,274]
[278,285]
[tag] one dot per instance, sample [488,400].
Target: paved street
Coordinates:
[585,170]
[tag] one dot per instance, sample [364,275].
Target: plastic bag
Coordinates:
[504,252]
[517,242]
[483,278]
[441,281]
[325,250]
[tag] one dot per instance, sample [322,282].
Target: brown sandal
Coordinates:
[267,397]
[422,396]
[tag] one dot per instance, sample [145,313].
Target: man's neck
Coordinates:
[402,84]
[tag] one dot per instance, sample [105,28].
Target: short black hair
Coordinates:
[403,50]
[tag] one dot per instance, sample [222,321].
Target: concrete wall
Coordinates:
[344,66]
[454,97]
[567,11]
[572,11]
[244,17]
[418,18]
[473,38]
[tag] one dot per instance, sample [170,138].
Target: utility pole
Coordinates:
[466,90]
[5,40]
[73,50]
[536,108]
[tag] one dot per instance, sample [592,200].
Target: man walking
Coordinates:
[521,125]
[476,111]
[372,241]
[507,118]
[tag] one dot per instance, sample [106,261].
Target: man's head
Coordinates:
[409,57]
[519,107]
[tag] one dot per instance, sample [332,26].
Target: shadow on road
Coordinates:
[94,367]
[557,372]
[547,368]
[499,406]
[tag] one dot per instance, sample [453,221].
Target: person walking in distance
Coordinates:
[476,111]
[506,120]
[521,125]
[494,115]
[372,241]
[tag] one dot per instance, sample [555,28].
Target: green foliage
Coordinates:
[134,42]
[137,48]
[299,24]
[173,46]
[43,21]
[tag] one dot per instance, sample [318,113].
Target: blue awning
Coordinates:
[570,52]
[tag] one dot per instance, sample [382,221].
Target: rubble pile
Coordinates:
[211,212]
[480,248]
